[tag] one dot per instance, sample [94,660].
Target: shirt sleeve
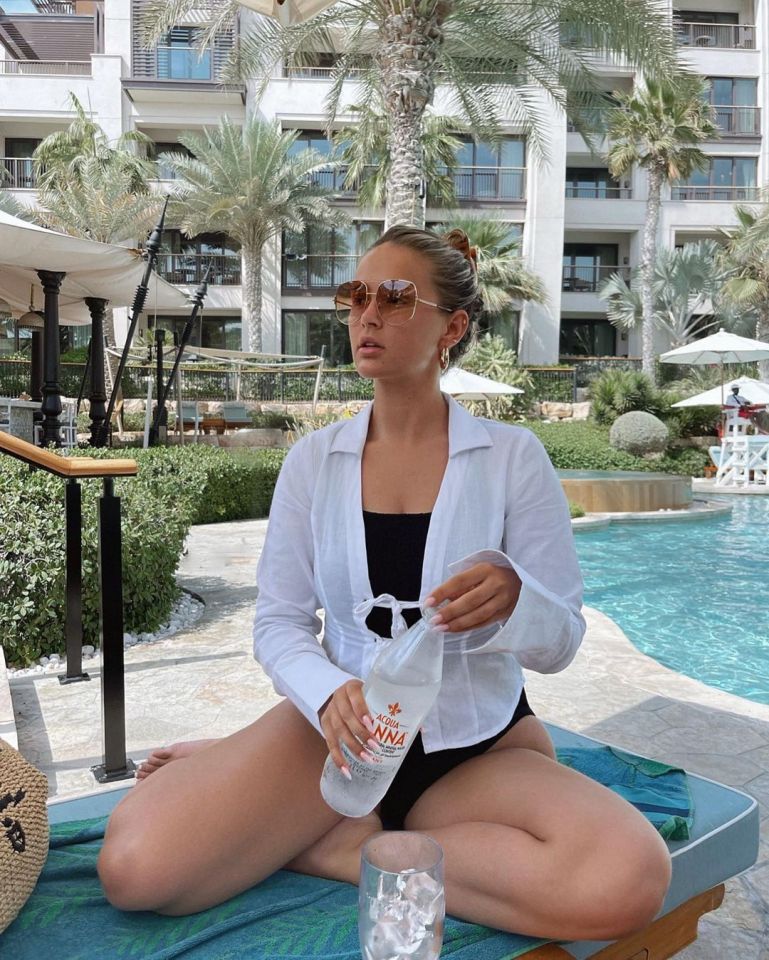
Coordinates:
[546,628]
[286,624]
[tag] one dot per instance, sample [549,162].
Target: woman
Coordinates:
[415,499]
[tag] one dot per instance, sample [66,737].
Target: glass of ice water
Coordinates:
[401,902]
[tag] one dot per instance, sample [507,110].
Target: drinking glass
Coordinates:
[401,902]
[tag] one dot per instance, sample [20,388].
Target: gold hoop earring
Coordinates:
[444,361]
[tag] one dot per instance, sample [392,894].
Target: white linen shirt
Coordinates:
[500,500]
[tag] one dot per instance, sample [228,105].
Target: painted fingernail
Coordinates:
[368,723]
[429,602]
[441,628]
[346,772]
[365,755]
[436,619]
[373,744]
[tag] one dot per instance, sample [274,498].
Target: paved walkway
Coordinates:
[204,682]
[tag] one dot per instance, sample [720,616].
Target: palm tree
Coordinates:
[658,127]
[503,276]
[686,294]
[747,255]
[498,60]
[363,151]
[248,184]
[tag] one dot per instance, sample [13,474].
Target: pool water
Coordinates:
[695,596]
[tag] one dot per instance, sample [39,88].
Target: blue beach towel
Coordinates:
[286,917]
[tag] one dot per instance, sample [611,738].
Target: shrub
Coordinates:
[615,392]
[575,510]
[492,358]
[687,421]
[639,433]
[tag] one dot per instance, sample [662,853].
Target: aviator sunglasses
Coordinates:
[396,301]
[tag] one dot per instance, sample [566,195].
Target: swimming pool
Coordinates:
[695,596]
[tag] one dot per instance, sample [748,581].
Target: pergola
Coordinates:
[74,279]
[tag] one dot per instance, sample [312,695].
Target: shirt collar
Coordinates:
[465,431]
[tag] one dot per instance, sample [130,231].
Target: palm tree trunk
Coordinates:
[251,270]
[647,273]
[762,333]
[410,37]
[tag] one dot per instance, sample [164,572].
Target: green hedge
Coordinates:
[585,446]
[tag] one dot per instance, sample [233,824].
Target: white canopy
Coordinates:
[288,11]
[754,391]
[721,347]
[469,386]
[92,269]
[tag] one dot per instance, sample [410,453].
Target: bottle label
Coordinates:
[393,731]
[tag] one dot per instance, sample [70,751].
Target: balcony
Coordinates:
[317,272]
[17,173]
[587,279]
[738,121]
[493,184]
[188,269]
[45,68]
[723,36]
[314,73]
[598,192]
[728,193]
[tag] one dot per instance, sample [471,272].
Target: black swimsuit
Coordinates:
[395,545]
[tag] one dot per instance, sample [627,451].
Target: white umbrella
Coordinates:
[755,392]
[469,386]
[721,347]
[287,11]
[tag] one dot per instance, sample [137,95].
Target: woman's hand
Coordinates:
[479,596]
[345,718]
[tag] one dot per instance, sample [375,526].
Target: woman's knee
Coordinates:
[131,877]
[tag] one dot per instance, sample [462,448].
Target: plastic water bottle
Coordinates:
[400,690]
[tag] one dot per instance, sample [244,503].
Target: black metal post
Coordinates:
[97,394]
[160,420]
[116,765]
[74,585]
[85,378]
[152,247]
[197,302]
[36,366]
[51,405]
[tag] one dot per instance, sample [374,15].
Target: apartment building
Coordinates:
[573,236]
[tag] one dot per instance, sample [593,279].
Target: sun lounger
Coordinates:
[190,416]
[236,415]
[295,916]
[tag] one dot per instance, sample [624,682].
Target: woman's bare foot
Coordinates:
[163,755]
[336,856]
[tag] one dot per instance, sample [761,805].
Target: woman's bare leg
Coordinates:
[160,756]
[214,824]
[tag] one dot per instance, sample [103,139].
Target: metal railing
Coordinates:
[18,173]
[317,271]
[729,36]
[598,192]
[737,120]
[587,279]
[587,368]
[489,183]
[189,268]
[314,73]
[729,193]
[46,7]
[45,68]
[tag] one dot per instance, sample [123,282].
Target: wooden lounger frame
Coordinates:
[660,940]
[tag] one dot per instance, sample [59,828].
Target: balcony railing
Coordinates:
[189,268]
[314,73]
[687,192]
[317,271]
[587,279]
[18,173]
[489,183]
[738,121]
[729,36]
[598,192]
[45,68]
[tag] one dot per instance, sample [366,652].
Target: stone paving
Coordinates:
[204,682]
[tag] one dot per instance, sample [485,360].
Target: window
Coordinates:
[18,163]
[734,100]
[166,146]
[316,140]
[491,171]
[704,28]
[587,265]
[184,260]
[593,183]
[179,59]
[215,332]
[588,338]
[305,332]
[321,258]
[505,325]
[726,178]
